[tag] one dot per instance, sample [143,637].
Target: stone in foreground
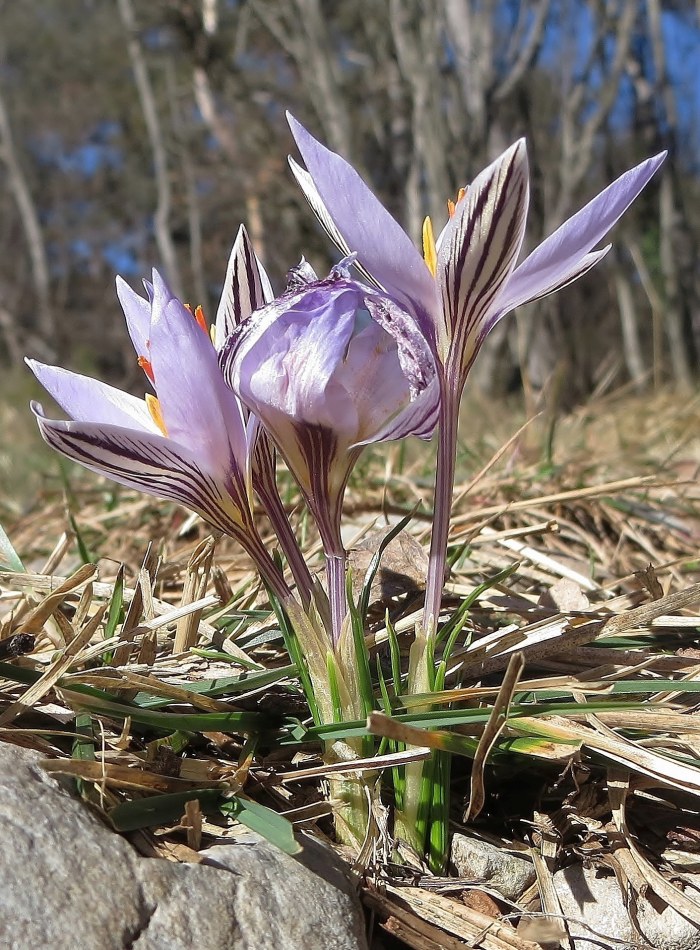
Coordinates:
[68,882]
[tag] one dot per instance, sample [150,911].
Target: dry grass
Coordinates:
[600,617]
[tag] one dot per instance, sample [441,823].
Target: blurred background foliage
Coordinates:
[142,132]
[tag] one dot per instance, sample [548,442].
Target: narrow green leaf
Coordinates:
[83,551]
[161,809]
[9,560]
[296,655]
[274,827]
[115,614]
[456,621]
[334,688]
[438,832]
[83,749]
[362,665]
[395,652]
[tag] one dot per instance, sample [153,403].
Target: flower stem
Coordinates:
[251,542]
[337,596]
[292,552]
[444,486]
[427,783]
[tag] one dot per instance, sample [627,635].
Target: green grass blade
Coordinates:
[161,809]
[274,827]
[9,559]
[115,614]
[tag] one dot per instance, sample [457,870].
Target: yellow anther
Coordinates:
[156,412]
[429,249]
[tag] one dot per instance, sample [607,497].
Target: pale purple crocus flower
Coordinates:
[189,443]
[327,368]
[466,281]
[246,289]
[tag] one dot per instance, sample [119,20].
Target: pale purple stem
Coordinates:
[280,523]
[337,595]
[269,571]
[444,485]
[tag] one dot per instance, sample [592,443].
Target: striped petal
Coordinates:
[367,228]
[148,463]
[88,400]
[246,288]
[478,253]
[564,251]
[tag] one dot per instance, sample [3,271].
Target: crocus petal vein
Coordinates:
[246,288]
[146,462]
[479,251]
[562,250]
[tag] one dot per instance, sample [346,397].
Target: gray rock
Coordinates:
[596,899]
[484,863]
[69,882]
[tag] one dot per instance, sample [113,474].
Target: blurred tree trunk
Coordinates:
[194,217]
[415,37]
[30,223]
[674,232]
[585,108]
[486,78]
[220,127]
[161,221]
[629,323]
[301,29]
[672,292]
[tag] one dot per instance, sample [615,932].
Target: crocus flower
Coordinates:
[247,288]
[464,282]
[327,368]
[188,443]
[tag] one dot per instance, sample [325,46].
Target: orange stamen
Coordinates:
[156,412]
[201,320]
[198,314]
[145,365]
[452,205]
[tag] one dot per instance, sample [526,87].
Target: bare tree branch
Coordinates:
[166,246]
[30,223]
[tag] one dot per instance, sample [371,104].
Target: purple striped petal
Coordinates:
[562,252]
[564,278]
[367,228]
[149,463]
[199,410]
[88,400]
[246,288]
[478,252]
[137,313]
